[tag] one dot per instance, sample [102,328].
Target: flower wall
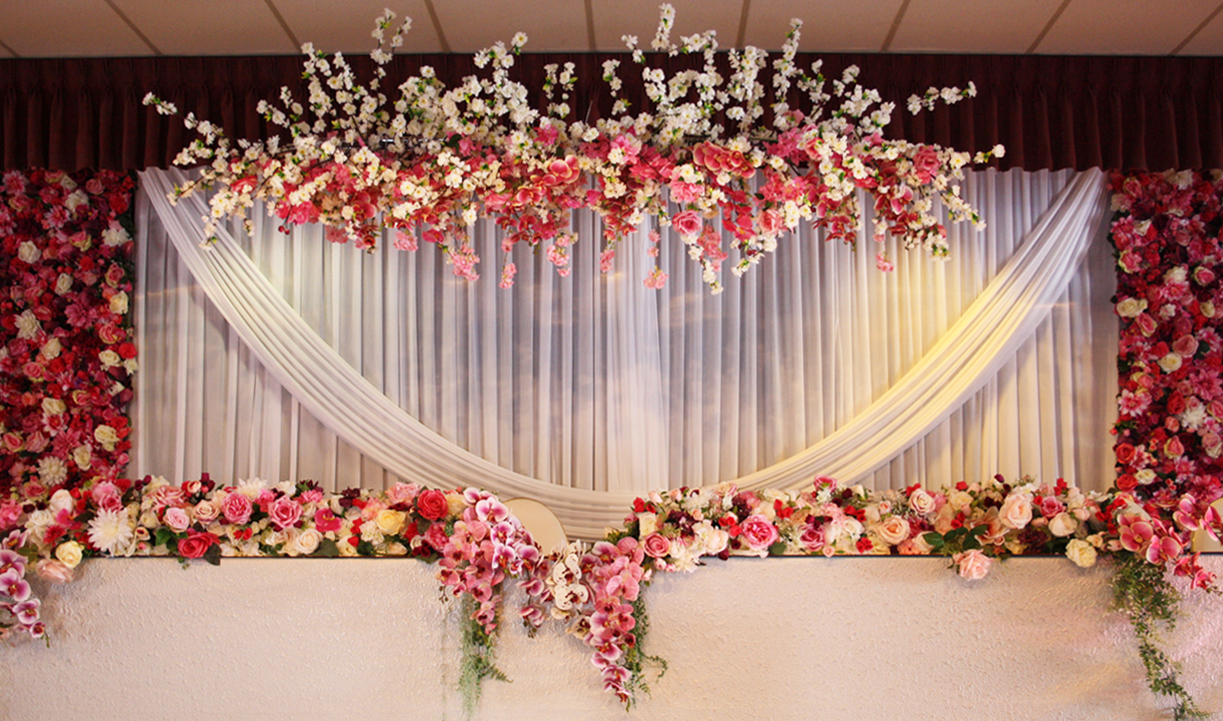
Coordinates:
[1170,365]
[65,357]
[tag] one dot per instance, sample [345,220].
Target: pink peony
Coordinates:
[236,508]
[759,532]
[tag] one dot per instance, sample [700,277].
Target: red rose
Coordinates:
[196,544]
[1127,482]
[432,505]
[1125,453]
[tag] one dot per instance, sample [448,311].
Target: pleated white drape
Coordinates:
[584,390]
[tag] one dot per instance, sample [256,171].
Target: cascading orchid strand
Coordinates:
[425,159]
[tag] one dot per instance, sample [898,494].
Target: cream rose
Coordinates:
[1131,307]
[51,349]
[109,358]
[118,303]
[1171,362]
[29,252]
[1016,511]
[63,284]
[1062,525]
[390,522]
[647,523]
[455,504]
[921,501]
[106,435]
[1082,553]
[69,553]
[893,531]
[53,406]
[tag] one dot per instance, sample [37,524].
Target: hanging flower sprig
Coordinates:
[427,160]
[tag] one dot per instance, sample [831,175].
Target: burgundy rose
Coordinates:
[432,505]
[196,544]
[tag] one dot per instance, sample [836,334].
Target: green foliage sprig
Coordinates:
[1145,596]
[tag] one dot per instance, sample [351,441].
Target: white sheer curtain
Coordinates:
[597,387]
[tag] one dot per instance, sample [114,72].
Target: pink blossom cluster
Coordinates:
[65,355]
[17,601]
[1169,300]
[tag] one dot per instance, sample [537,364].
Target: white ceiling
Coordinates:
[116,28]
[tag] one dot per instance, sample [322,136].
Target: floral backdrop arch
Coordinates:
[444,154]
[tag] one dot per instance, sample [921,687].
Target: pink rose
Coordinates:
[402,493]
[759,532]
[1186,346]
[284,512]
[922,502]
[656,545]
[237,508]
[973,564]
[925,164]
[687,223]
[432,505]
[10,511]
[176,519]
[54,571]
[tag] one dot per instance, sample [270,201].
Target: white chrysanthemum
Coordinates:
[51,470]
[110,531]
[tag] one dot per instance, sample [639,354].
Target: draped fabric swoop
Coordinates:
[286,356]
[1049,111]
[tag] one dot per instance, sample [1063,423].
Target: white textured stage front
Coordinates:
[782,638]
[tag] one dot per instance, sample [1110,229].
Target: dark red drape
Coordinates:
[1049,112]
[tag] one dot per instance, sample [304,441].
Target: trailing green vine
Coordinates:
[1144,595]
[636,659]
[478,648]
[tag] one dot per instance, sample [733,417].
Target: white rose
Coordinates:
[1171,362]
[29,252]
[389,522]
[63,284]
[1082,553]
[27,325]
[61,500]
[1131,307]
[109,358]
[1062,525]
[647,523]
[53,406]
[306,542]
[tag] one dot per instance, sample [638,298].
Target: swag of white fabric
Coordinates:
[963,359]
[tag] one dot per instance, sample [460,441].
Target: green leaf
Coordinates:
[979,531]
[213,554]
[164,536]
[777,549]
[326,549]
[934,539]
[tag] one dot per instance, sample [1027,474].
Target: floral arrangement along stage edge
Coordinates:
[428,160]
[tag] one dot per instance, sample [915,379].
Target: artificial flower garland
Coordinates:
[431,159]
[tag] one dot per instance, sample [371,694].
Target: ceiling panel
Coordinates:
[938,26]
[1124,27]
[552,25]
[1207,42]
[616,18]
[828,26]
[66,28]
[215,27]
[316,21]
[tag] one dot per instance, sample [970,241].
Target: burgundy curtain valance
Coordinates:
[1049,111]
